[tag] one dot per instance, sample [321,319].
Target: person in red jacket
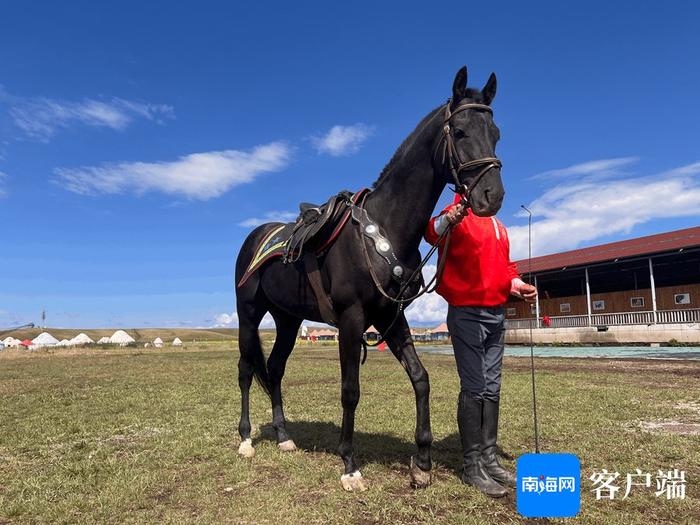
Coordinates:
[477,279]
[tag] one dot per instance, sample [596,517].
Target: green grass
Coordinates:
[149,436]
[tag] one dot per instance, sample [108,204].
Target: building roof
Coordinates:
[648,245]
[324,332]
[439,329]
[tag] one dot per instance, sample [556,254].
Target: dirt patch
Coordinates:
[616,366]
[315,381]
[690,406]
[671,427]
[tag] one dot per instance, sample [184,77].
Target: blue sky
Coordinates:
[140,141]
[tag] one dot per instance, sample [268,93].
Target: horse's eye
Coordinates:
[459,133]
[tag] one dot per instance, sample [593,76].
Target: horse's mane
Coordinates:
[471,93]
[402,148]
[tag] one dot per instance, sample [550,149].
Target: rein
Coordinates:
[456,166]
[399,299]
[451,159]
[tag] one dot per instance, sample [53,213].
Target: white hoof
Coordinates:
[419,478]
[354,481]
[287,446]
[246,449]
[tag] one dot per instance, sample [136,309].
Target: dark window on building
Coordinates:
[563,283]
[677,269]
[620,276]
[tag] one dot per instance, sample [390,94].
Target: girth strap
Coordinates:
[325,305]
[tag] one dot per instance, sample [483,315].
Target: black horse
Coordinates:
[453,143]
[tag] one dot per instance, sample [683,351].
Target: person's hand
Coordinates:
[456,213]
[528,292]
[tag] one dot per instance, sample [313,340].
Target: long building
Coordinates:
[644,290]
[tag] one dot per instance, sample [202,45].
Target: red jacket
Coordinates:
[478,270]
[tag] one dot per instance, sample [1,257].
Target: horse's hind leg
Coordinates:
[287,327]
[251,361]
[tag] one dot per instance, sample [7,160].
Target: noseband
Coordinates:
[451,155]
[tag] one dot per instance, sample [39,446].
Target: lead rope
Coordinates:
[532,351]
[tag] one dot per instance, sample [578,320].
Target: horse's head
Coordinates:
[467,146]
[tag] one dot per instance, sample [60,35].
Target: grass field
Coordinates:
[148,436]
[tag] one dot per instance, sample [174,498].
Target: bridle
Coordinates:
[450,155]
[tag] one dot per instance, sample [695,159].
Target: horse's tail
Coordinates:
[251,307]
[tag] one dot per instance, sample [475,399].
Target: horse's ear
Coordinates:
[459,87]
[489,91]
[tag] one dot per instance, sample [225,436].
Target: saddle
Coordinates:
[307,239]
[314,224]
[315,229]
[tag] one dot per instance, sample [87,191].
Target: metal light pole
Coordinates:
[532,351]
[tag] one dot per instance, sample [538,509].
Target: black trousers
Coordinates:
[478,335]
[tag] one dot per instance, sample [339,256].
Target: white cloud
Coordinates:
[428,308]
[231,320]
[342,140]
[3,176]
[226,319]
[197,176]
[599,168]
[270,216]
[40,118]
[567,216]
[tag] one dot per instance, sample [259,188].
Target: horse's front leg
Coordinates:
[401,345]
[351,326]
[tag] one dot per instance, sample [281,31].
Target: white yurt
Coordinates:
[177,342]
[64,342]
[158,342]
[103,341]
[121,338]
[81,339]
[44,339]
[11,342]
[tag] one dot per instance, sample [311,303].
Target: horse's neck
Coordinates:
[406,195]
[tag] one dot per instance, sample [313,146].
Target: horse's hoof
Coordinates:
[287,446]
[353,482]
[246,449]
[419,478]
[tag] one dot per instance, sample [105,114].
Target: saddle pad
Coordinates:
[272,245]
[274,242]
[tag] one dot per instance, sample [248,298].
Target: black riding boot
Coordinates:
[473,473]
[489,429]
